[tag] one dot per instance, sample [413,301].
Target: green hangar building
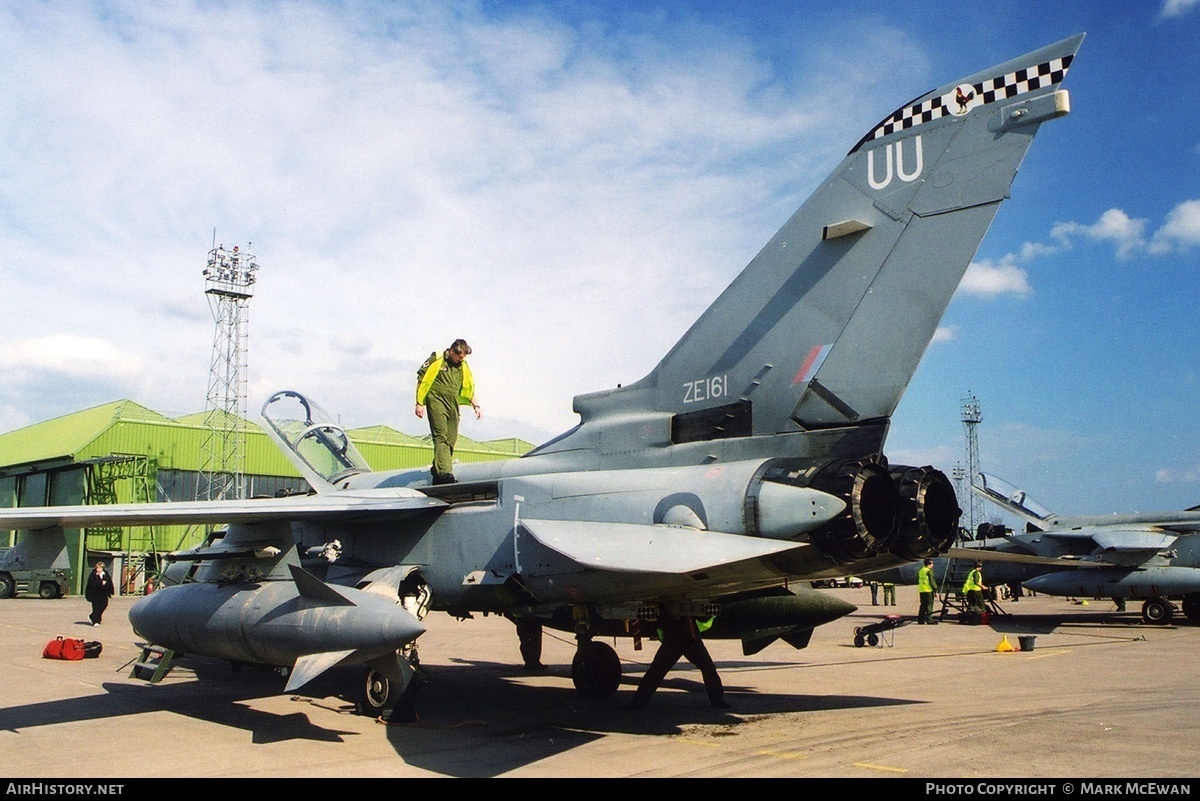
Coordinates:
[122,452]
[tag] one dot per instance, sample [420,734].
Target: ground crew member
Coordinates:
[889,594]
[529,634]
[443,384]
[927,587]
[973,588]
[680,636]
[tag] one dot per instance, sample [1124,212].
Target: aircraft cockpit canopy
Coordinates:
[1009,496]
[309,432]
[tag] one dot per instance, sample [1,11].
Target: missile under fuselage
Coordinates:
[781,614]
[1120,582]
[273,622]
[803,608]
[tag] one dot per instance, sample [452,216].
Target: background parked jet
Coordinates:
[1154,558]
[747,463]
[1151,557]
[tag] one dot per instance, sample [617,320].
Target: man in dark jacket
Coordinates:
[99,589]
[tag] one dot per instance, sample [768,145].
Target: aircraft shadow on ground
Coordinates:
[477,721]
[220,703]
[477,718]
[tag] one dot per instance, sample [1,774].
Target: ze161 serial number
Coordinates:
[703,389]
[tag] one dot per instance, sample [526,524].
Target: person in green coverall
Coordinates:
[443,384]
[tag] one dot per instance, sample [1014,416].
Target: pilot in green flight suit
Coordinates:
[443,384]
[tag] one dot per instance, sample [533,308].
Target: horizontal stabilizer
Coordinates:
[315,591]
[639,548]
[309,667]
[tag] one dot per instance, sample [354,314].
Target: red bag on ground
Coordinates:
[64,648]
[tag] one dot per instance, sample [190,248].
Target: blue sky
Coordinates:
[568,185]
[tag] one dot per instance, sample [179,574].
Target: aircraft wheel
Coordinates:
[859,641]
[872,639]
[49,590]
[7,587]
[596,670]
[374,693]
[1157,611]
[1191,606]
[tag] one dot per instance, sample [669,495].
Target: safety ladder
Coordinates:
[154,664]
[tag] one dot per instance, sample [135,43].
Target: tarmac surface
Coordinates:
[1099,695]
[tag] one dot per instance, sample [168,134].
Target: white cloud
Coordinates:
[945,333]
[990,278]
[67,354]
[567,198]
[1177,8]
[1172,475]
[1181,230]
[1113,226]
[1128,234]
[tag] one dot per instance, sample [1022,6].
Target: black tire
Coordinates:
[374,694]
[49,590]
[1191,606]
[596,670]
[859,641]
[1157,611]
[872,639]
[7,588]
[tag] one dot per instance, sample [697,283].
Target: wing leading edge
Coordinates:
[394,503]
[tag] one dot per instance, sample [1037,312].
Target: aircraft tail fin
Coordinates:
[827,324]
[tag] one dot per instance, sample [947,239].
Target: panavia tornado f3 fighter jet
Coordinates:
[748,463]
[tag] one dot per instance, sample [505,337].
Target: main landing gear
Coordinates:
[596,669]
[1158,611]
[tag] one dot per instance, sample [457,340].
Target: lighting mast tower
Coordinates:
[972,416]
[229,284]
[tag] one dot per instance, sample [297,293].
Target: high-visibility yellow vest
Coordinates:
[974,581]
[925,579]
[465,395]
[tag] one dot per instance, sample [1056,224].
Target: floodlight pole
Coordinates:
[229,284]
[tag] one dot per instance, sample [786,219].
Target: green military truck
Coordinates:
[48,582]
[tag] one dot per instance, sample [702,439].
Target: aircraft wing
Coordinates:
[613,562]
[375,504]
[1125,539]
[632,547]
[984,555]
